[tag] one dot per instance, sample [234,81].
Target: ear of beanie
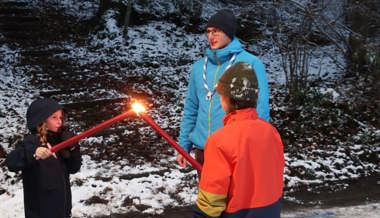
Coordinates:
[224,20]
[39,111]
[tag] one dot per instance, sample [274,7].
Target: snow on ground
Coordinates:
[145,42]
[12,204]
[147,188]
[15,94]
[13,89]
[326,63]
[368,210]
[340,166]
[83,9]
[154,189]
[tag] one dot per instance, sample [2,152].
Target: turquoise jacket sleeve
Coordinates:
[263,98]
[190,113]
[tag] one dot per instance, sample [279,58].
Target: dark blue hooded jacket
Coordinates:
[46,183]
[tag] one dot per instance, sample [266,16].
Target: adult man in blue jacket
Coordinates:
[202,111]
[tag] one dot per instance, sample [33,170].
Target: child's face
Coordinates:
[217,38]
[54,121]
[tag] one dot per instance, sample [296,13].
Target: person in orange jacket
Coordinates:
[242,175]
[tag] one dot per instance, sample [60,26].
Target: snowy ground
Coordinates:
[370,210]
[114,186]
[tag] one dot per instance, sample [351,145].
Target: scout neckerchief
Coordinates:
[210,93]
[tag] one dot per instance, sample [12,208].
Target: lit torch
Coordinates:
[92,131]
[137,109]
[140,111]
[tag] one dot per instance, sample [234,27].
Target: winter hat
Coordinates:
[239,83]
[39,111]
[224,20]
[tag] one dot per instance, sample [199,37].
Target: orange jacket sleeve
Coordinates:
[215,181]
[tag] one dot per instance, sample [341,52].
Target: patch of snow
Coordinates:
[326,64]
[368,210]
[154,190]
[82,10]
[15,95]
[331,92]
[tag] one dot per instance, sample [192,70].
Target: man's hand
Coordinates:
[181,160]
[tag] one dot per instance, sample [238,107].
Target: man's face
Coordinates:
[217,38]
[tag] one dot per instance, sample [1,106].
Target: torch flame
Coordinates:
[138,108]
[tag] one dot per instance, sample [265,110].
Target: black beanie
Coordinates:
[224,20]
[39,111]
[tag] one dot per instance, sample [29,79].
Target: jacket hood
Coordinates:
[224,54]
[39,111]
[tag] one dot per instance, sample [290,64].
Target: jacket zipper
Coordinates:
[210,107]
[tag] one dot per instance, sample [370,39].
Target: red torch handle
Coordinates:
[91,131]
[171,141]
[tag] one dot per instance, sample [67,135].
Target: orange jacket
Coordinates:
[243,169]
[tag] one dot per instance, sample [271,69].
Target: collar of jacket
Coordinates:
[222,55]
[243,114]
[54,137]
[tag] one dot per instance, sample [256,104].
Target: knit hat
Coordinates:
[239,83]
[39,111]
[224,20]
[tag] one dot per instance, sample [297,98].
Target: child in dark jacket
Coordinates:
[45,175]
[242,175]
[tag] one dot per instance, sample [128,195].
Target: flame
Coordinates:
[138,108]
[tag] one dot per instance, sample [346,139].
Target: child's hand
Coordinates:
[49,146]
[42,153]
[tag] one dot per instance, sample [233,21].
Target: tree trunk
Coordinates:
[127,19]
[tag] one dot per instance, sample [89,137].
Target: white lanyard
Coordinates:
[210,93]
